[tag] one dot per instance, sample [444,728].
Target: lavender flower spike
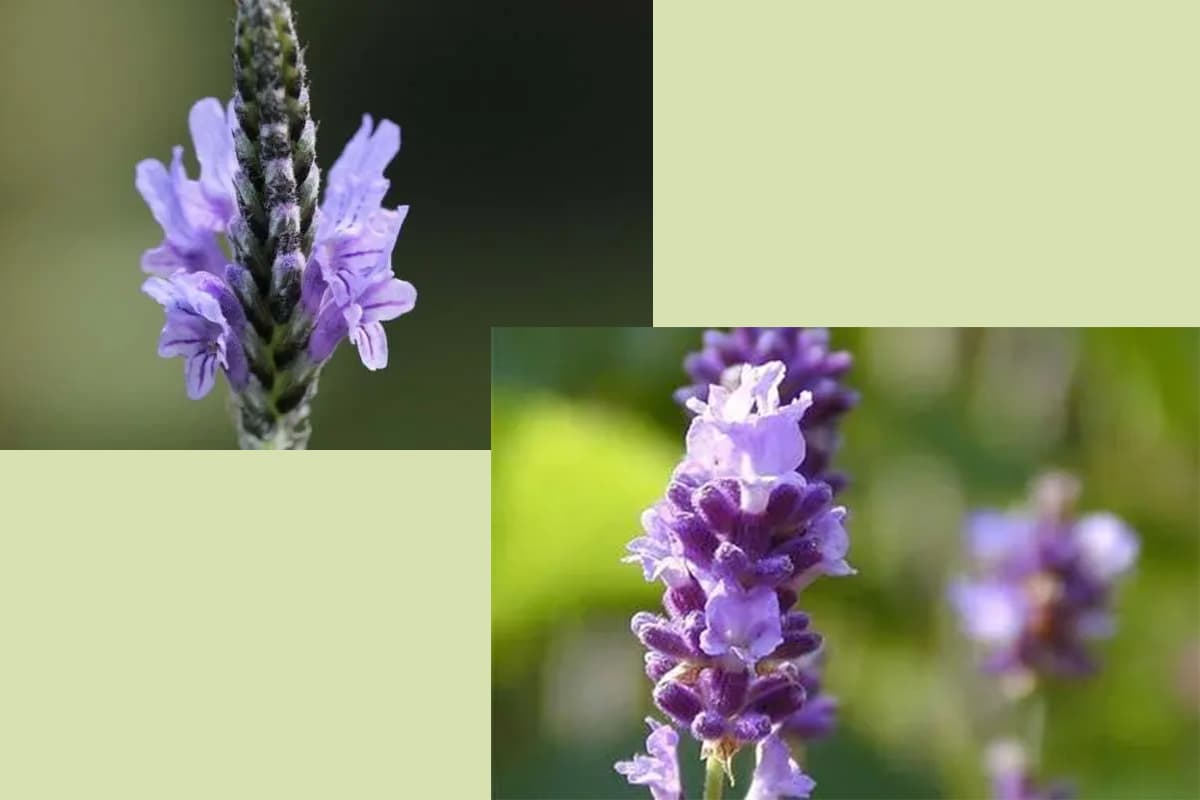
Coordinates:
[302,278]
[739,533]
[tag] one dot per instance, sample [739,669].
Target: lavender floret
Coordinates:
[811,367]
[304,278]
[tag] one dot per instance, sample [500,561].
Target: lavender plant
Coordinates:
[1040,594]
[294,277]
[740,532]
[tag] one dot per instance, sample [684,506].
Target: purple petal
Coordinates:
[776,775]
[1107,547]
[329,330]
[387,300]
[213,138]
[371,342]
[186,334]
[200,373]
[991,612]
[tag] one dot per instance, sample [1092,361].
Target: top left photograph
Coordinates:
[277,224]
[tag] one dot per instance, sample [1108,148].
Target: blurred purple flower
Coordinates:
[1042,584]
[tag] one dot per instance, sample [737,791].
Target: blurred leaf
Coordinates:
[569,482]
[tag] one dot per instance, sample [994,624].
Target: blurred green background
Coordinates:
[526,160]
[585,434]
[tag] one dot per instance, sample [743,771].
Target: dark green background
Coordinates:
[585,435]
[526,160]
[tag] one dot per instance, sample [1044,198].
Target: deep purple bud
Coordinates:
[772,571]
[661,637]
[679,492]
[710,726]
[796,645]
[817,496]
[715,507]
[658,665]
[725,689]
[730,561]
[683,600]
[678,701]
[697,539]
[752,727]
[781,702]
[782,505]
[787,598]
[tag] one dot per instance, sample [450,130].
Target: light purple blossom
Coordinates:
[811,367]
[659,771]
[349,286]
[740,621]
[656,551]
[746,433]
[203,324]
[777,775]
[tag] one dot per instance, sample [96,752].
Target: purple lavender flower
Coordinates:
[204,322]
[1042,585]
[349,286]
[304,278]
[660,769]
[738,535]
[811,367]
[192,213]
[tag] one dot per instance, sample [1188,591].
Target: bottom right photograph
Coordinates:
[862,563]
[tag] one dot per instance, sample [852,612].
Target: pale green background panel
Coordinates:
[926,162]
[222,625]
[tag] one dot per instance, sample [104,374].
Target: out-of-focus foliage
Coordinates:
[585,434]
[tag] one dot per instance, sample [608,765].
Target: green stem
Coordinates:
[1037,729]
[714,779]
